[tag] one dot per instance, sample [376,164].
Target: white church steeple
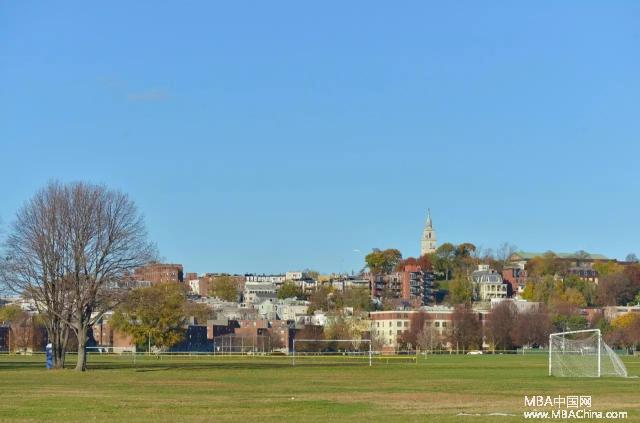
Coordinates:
[428,244]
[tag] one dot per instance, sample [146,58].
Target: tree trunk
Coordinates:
[81,365]
[58,336]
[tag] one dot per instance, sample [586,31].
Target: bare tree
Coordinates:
[417,324]
[465,328]
[499,325]
[429,338]
[34,262]
[532,327]
[71,249]
[505,251]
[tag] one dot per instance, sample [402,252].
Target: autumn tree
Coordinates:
[626,331]
[565,316]
[605,268]
[532,327]
[615,289]
[154,315]
[357,298]
[466,330]
[539,289]
[200,312]
[289,289]
[548,264]
[382,261]
[10,313]
[313,333]
[225,288]
[461,290]
[417,323]
[322,299]
[443,259]
[424,262]
[499,325]
[340,328]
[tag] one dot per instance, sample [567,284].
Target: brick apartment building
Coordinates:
[106,336]
[160,273]
[412,285]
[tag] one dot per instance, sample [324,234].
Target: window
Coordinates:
[399,332]
[399,324]
[377,324]
[444,324]
[406,324]
[437,324]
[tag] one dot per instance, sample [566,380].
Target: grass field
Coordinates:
[201,389]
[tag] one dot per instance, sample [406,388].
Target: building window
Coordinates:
[406,324]
[399,324]
[444,324]
[437,324]
[399,332]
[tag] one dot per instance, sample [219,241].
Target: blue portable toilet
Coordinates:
[49,351]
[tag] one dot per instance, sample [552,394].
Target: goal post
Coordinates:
[583,353]
[331,351]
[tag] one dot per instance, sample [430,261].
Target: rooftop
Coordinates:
[528,255]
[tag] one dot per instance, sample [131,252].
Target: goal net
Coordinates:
[331,352]
[583,353]
[241,344]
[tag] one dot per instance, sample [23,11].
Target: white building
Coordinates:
[523,306]
[294,276]
[290,309]
[194,286]
[257,292]
[275,279]
[487,284]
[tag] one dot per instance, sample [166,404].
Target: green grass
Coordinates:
[202,389]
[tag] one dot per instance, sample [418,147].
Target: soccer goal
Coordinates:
[583,353]
[331,352]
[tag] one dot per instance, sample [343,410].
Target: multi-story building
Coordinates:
[342,282]
[159,273]
[257,292]
[516,276]
[579,264]
[388,326]
[274,279]
[199,286]
[412,286]
[488,284]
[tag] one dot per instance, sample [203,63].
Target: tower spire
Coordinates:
[428,242]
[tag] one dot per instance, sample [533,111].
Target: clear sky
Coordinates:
[272,136]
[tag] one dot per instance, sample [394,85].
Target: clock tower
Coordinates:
[428,244]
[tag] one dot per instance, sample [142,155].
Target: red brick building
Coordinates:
[159,273]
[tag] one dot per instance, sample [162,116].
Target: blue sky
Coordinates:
[272,136]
